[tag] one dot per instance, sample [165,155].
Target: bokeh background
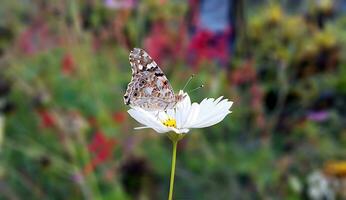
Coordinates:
[65,132]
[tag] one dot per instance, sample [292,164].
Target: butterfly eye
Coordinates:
[125,96]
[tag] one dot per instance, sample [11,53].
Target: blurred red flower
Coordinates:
[158,41]
[119,117]
[163,43]
[207,45]
[244,74]
[67,64]
[47,119]
[101,147]
[37,37]
[257,96]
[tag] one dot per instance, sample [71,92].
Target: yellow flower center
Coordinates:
[170,123]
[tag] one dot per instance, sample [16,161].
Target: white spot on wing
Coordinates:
[159,83]
[148,90]
[145,54]
[151,65]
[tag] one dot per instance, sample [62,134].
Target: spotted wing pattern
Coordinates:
[149,87]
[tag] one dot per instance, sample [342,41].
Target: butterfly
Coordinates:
[149,88]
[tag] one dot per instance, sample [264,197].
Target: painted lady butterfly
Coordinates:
[149,88]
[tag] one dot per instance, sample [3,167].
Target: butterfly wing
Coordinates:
[141,61]
[149,87]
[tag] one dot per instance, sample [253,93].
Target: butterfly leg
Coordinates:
[157,114]
[165,109]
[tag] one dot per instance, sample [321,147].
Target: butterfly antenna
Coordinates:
[197,88]
[188,81]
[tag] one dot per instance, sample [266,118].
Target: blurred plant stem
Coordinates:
[240,24]
[283,90]
[2,131]
[75,16]
[174,137]
[88,184]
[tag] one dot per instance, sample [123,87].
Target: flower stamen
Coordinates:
[170,122]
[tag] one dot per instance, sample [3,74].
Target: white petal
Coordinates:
[212,112]
[184,130]
[192,116]
[147,119]
[171,113]
[218,100]
[182,111]
[162,116]
[212,121]
[211,109]
[141,127]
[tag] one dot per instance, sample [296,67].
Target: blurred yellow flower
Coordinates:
[275,14]
[289,27]
[335,168]
[325,39]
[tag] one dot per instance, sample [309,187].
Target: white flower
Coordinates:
[319,187]
[184,116]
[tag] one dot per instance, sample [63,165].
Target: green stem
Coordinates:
[174,156]
[2,130]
